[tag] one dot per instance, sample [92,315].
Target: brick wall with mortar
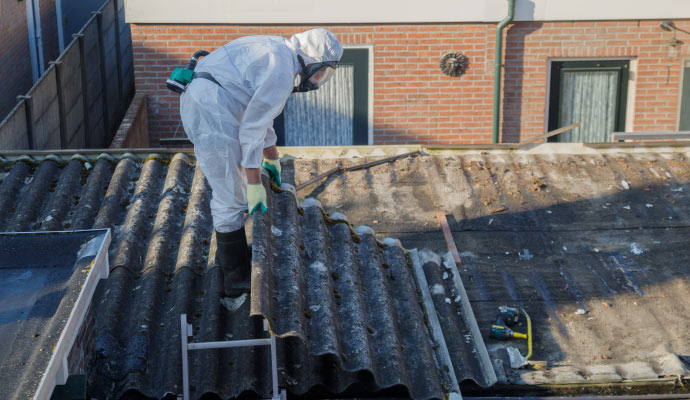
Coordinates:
[15,59]
[84,345]
[414,102]
[133,130]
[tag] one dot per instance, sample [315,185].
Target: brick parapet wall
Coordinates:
[133,130]
[414,102]
[84,345]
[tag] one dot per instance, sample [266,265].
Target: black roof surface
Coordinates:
[41,277]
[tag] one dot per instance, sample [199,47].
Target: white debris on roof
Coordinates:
[635,249]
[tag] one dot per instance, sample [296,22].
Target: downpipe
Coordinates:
[497,67]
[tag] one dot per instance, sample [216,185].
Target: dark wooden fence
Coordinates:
[82,96]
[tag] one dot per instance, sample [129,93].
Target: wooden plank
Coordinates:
[355,168]
[547,135]
[319,177]
[449,237]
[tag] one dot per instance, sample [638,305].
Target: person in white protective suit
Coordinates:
[228,111]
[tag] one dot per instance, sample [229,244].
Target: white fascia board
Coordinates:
[56,372]
[312,11]
[395,11]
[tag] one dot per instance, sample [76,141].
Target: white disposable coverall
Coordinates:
[231,125]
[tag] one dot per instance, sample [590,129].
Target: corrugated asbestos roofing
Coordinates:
[347,304]
[592,245]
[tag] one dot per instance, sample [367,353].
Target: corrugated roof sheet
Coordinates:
[346,294]
[158,209]
[555,233]
[600,232]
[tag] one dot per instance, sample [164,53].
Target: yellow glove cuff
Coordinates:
[256,197]
[273,168]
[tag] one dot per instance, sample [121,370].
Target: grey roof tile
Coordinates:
[342,293]
[347,304]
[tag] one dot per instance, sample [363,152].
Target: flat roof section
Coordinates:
[46,283]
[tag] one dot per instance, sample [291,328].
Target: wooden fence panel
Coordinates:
[94,85]
[69,74]
[14,134]
[44,113]
[83,95]
[109,42]
[126,55]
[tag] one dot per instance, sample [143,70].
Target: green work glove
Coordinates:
[256,196]
[273,168]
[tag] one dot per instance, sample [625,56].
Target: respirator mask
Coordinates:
[313,76]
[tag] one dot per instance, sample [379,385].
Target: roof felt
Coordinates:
[158,208]
[38,292]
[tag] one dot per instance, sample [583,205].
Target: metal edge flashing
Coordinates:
[56,372]
[354,152]
[643,144]
[435,327]
[485,360]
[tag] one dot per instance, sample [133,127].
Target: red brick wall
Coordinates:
[414,102]
[84,344]
[15,59]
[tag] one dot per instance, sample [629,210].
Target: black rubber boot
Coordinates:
[234,258]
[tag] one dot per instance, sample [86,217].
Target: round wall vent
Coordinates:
[453,64]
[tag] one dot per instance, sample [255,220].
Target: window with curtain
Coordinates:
[322,117]
[334,115]
[592,93]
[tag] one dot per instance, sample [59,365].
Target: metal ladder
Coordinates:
[186,332]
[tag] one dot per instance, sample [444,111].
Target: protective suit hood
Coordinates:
[316,45]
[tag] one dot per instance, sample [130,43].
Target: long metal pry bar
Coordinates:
[186,332]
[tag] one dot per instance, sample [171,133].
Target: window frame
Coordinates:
[558,67]
[360,58]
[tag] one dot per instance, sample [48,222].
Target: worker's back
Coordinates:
[250,60]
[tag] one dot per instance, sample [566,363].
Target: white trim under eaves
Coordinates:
[632,87]
[370,83]
[57,371]
[395,11]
